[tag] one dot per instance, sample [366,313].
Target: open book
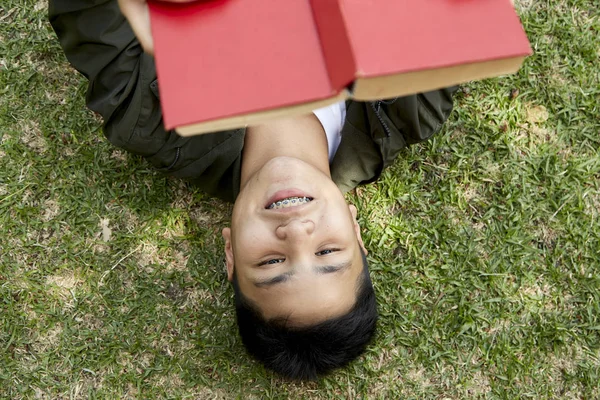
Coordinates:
[225,64]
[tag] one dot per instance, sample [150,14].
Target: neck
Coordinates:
[299,137]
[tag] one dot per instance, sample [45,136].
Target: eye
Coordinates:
[325,252]
[272,261]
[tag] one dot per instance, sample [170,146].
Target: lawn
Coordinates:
[484,243]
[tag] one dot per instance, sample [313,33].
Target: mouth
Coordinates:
[288,198]
[289,202]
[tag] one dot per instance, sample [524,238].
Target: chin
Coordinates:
[293,166]
[283,162]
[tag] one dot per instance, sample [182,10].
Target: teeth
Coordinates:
[289,202]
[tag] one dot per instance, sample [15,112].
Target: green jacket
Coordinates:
[99,43]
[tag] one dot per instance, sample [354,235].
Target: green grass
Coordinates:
[485,243]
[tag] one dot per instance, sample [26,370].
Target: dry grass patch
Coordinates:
[99,248]
[539,135]
[419,377]
[556,365]
[130,221]
[48,340]
[454,215]
[50,209]
[211,394]
[25,260]
[168,258]
[201,217]
[479,226]
[119,155]
[303,390]
[169,345]
[535,114]
[470,192]
[592,203]
[87,383]
[478,385]
[492,172]
[178,260]
[90,322]
[194,297]
[63,287]
[499,325]
[64,282]
[150,254]
[125,360]
[545,233]
[169,383]
[183,196]
[536,292]
[32,137]
[457,134]
[386,357]
[546,297]
[389,386]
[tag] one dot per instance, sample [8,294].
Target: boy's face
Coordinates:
[300,262]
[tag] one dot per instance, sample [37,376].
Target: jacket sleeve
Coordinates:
[99,43]
[422,115]
[376,132]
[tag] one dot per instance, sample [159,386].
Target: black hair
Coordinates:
[306,353]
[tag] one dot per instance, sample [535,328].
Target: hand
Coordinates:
[138,15]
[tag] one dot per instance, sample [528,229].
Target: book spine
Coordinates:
[335,42]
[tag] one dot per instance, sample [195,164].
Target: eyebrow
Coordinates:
[327,269]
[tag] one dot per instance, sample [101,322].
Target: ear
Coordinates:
[354,213]
[228,253]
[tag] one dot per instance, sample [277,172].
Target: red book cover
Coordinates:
[220,58]
[397,36]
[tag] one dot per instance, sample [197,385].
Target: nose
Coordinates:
[295,229]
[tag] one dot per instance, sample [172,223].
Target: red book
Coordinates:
[224,64]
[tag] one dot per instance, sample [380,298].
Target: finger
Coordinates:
[138,15]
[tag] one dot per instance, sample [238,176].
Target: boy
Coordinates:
[304,300]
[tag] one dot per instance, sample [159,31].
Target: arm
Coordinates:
[99,43]
[376,132]
[418,117]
